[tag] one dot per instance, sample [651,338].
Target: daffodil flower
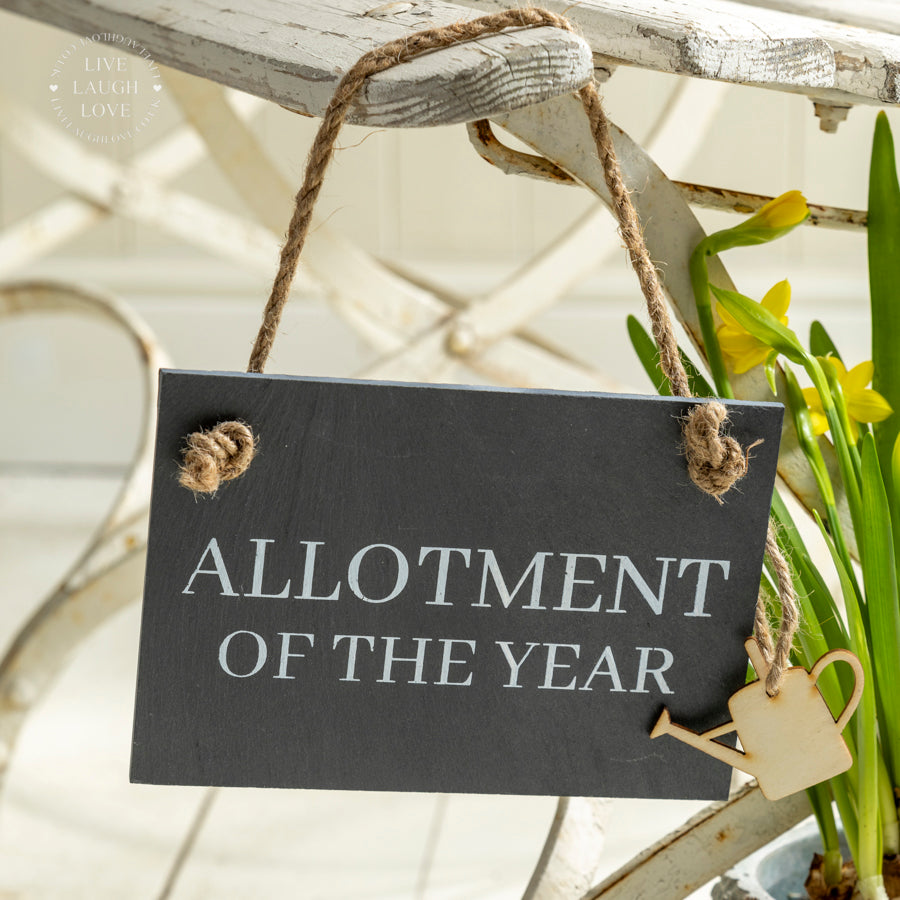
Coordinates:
[863,404]
[775,219]
[742,350]
[784,212]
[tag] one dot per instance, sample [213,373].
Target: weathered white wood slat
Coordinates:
[866,62]
[875,15]
[707,38]
[744,42]
[703,848]
[295,52]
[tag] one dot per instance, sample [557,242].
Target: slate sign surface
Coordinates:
[436,588]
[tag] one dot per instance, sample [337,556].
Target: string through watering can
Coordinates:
[790,741]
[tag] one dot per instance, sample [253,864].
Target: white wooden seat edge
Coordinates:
[777,44]
[294,54]
[875,15]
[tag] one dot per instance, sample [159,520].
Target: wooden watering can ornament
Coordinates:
[790,741]
[442,588]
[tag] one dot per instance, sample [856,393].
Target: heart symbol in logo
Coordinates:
[157,87]
[54,88]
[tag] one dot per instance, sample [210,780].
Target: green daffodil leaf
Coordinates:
[754,318]
[771,359]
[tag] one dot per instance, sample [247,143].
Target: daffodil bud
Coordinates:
[776,218]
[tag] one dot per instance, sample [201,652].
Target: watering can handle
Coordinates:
[858,683]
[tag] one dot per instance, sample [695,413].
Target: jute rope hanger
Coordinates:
[715,460]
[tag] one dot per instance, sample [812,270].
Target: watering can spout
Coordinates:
[706,741]
[775,729]
[662,724]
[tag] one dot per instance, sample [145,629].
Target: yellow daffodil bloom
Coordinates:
[776,218]
[863,404]
[785,211]
[741,350]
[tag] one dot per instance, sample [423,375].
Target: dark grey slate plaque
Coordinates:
[437,588]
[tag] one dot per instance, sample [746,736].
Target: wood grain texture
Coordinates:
[706,38]
[794,45]
[775,731]
[294,53]
[704,847]
[877,15]
[866,60]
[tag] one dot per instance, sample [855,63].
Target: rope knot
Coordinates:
[216,455]
[715,460]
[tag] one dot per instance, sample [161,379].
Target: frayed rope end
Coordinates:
[216,455]
[716,461]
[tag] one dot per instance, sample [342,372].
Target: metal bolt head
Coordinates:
[830,115]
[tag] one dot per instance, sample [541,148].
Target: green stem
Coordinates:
[868,861]
[812,451]
[820,800]
[849,471]
[700,282]
[867,854]
[890,828]
[840,404]
[843,797]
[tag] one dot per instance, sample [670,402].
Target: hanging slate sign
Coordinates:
[439,588]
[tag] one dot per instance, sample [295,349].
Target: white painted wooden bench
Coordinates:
[293,54]
[836,53]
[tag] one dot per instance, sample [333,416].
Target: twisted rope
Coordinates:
[216,455]
[715,460]
[370,63]
[777,654]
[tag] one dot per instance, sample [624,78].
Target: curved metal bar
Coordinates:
[558,130]
[513,162]
[110,572]
[571,852]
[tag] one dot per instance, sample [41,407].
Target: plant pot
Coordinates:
[777,871]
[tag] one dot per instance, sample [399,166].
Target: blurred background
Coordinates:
[71,826]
